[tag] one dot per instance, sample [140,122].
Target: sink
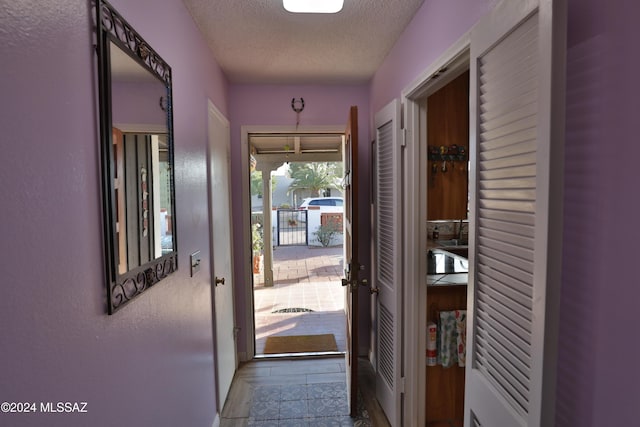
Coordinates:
[446,261]
[450,242]
[462,251]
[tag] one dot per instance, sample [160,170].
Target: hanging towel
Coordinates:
[452,338]
[461,336]
[447,338]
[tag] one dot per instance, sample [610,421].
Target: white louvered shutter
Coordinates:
[515,275]
[387,259]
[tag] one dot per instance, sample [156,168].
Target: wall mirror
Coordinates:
[136,133]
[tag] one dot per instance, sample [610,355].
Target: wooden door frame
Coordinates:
[247,268]
[351,282]
[434,77]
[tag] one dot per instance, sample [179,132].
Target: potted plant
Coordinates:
[257,246]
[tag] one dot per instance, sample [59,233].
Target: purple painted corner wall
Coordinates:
[435,27]
[151,363]
[270,105]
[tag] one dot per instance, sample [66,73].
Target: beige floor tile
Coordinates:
[317,368]
[280,379]
[326,378]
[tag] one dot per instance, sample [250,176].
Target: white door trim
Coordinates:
[247,272]
[448,66]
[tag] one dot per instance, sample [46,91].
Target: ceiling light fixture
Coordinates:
[313,6]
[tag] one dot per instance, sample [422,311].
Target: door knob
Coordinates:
[374,291]
[219,281]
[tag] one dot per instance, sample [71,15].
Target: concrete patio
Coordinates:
[307,281]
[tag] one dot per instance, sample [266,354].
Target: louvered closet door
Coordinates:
[387,265]
[516,214]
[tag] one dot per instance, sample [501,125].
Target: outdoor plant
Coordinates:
[315,177]
[257,238]
[256,184]
[326,232]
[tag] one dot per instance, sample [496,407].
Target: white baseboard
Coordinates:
[216,420]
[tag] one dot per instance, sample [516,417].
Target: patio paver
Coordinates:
[304,278]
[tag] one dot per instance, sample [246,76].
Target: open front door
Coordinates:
[351,264]
[387,271]
[516,124]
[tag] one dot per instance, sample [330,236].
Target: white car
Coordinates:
[323,204]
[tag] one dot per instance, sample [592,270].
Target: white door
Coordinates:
[220,214]
[517,131]
[387,270]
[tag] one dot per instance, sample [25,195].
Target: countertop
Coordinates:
[455,279]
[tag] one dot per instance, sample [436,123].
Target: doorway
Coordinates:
[297,243]
[427,176]
[447,140]
[306,299]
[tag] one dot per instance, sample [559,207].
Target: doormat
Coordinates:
[300,344]
[293,310]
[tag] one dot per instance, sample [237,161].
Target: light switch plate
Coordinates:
[195,262]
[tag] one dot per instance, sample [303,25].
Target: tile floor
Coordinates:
[307,278]
[300,391]
[296,392]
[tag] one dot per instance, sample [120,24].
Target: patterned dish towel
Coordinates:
[452,338]
[461,337]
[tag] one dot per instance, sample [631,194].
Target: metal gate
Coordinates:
[292,227]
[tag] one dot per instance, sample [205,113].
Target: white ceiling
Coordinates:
[257,41]
[296,147]
[296,143]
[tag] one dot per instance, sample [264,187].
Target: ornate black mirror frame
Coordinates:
[113,30]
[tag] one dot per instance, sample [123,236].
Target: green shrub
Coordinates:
[325,233]
[257,237]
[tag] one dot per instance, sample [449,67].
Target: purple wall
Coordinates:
[258,105]
[433,29]
[151,363]
[599,347]
[598,374]
[138,103]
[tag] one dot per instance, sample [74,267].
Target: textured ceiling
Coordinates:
[257,41]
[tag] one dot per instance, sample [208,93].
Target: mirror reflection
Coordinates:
[142,168]
[143,199]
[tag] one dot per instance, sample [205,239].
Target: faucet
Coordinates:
[460,232]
